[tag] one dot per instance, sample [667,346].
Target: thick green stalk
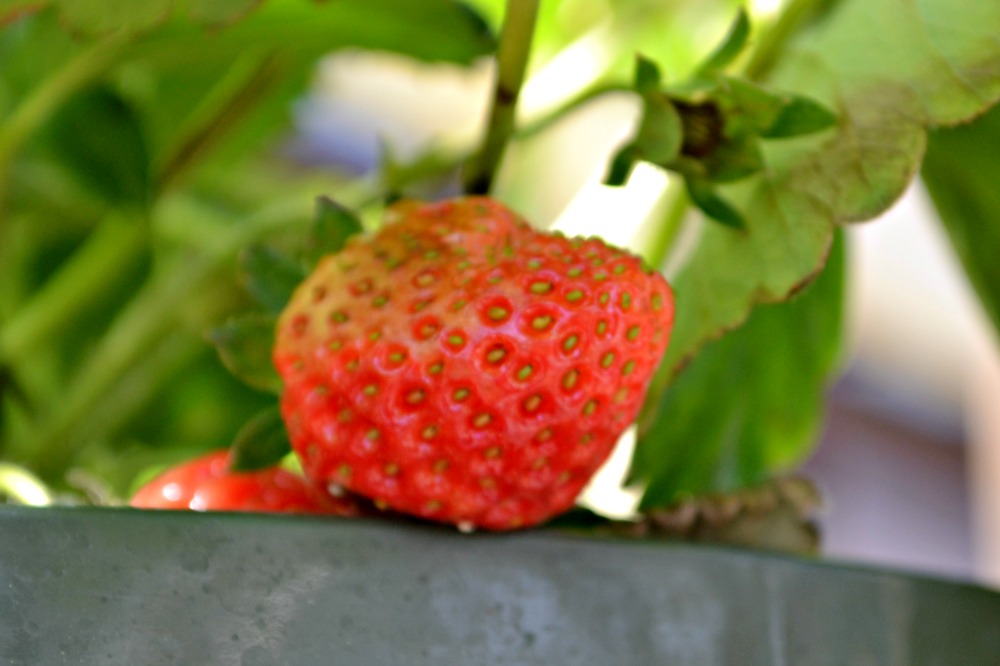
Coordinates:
[512,62]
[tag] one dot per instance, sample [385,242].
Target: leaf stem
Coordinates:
[512,62]
[773,39]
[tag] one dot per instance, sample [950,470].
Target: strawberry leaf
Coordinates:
[270,275]
[749,404]
[98,136]
[262,442]
[244,345]
[332,225]
[732,45]
[961,172]
[939,65]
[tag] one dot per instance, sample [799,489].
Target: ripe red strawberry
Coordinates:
[460,366]
[206,484]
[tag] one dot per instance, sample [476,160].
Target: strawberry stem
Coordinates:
[512,61]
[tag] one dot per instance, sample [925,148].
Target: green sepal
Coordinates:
[270,275]
[800,116]
[244,344]
[704,196]
[647,76]
[732,44]
[661,133]
[332,225]
[621,166]
[261,443]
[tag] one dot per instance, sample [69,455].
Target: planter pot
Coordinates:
[117,586]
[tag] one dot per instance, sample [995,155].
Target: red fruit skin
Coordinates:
[206,484]
[460,366]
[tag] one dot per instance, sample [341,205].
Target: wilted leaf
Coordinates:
[776,516]
[937,65]
[962,173]
[244,344]
[262,442]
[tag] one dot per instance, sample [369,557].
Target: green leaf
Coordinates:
[938,65]
[962,174]
[244,344]
[332,226]
[731,46]
[704,197]
[749,404]
[660,134]
[262,442]
[99,137]
[270,275]
[106,16]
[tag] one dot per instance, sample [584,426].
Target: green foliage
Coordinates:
[138,163]
[244,344]
[751,402]
[136,160]
[332,225]
[962,172]
[262,442]
[925,73]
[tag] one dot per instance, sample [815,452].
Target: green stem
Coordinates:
[236,94]
[142,324]
[108,252]
[512,62]
[773,39]
[47,97]
[575,103]
[657,249]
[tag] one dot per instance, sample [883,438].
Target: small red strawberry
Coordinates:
[206,484]
[460,366]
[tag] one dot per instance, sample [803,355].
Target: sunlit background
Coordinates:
[906,464]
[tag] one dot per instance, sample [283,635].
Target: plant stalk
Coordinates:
[512,62]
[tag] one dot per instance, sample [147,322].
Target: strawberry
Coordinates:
[462,367]
[206,484]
